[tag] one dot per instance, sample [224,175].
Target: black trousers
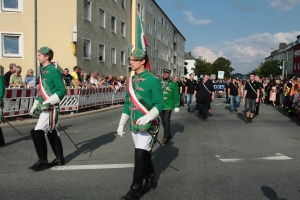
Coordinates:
[203,108]
[165,118]
[257,104]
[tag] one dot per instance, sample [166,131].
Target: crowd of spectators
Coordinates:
[78,78]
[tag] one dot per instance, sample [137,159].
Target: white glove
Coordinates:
[176,110]
[123,121]
[36,102]
[53,99]
[151,115]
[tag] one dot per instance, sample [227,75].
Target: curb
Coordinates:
[33,121]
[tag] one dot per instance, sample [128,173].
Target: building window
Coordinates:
[122,58]
[149,29]
[123,3]
[149,50]
[86,49]
[101,18]
[113,24]
[140,9]
[12,45]
[154,24]
[154,42]
[87,10]
[12,5]
[101,53]
[123,29]
[150,8]
[113,55]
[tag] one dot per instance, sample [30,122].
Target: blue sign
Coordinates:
[219,86]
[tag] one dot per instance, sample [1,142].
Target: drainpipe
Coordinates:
[35,39]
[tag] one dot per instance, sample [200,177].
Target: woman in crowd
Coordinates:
[267,92]
[272,94]
[16,78]
[30,80]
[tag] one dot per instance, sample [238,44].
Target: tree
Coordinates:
[202,67]
[222,64]
[269,67]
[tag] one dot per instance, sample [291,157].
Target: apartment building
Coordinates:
[87,33]
[285,52]
[166,43]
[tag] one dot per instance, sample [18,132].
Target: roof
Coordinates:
[188,56]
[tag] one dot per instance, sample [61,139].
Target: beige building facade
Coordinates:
[86,33]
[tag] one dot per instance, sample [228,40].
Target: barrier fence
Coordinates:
[18,101]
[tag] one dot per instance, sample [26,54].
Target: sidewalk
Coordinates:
[32,121]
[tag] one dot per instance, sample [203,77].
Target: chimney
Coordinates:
[190,53]
[282,45]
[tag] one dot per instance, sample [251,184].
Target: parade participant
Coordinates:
[261,95]
[2,92]
[234,95]
[181,86]
[171,101]
[190,88]
[205,93]
[251,96]
[226,91]
[50,91]
[144,102]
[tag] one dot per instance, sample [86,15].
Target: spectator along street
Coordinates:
[223,158]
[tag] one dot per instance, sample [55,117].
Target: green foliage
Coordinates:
[202,67]
[222,64]
[267,68]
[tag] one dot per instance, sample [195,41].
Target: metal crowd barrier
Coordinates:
[18,101]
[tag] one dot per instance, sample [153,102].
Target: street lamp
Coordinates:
[287,58]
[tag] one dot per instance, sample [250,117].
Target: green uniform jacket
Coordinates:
[149,88]
[53,79]
[171,94]
[2,88]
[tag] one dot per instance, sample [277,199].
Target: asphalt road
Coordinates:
[223,158]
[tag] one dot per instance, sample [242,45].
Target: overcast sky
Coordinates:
[242,31]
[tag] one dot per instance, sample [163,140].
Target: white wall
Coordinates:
[189,66]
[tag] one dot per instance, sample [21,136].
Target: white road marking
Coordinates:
[278,156]
[232,160]
[104,166]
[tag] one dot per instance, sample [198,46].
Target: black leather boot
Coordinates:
[150,181]
[39,141]
[141,159]
[2,141]
[57,149]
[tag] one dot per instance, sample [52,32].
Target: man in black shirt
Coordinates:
[67,78]
[261,95]
[9,73]
[251,95]
[226,90]
[234,96]
[190,88]
[181,85]
[205,93]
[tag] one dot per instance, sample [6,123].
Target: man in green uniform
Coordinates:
[50,91]
[144,102]
[171,101]
[2,92]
